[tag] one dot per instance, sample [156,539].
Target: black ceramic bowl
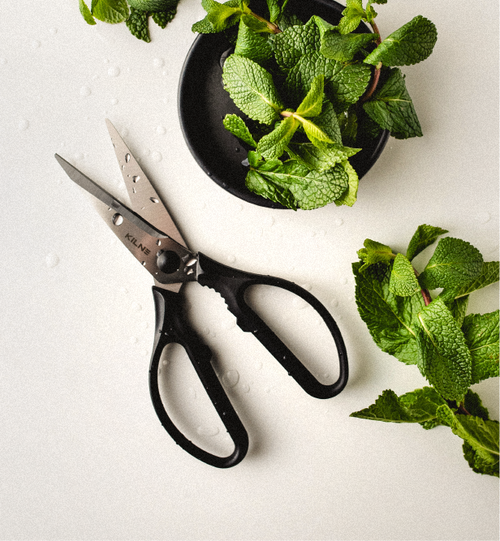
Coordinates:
[203,103]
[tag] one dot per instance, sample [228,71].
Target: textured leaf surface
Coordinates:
[455,263]
[113,12]
[342,47]
[374,252]
[294,42]
[424,236]
[322,158]
[137,23]
[390,319]
[236,125]
[403,281]
[313,102]
[392,108]
[86,14]
[252,45]
[489,275]
[252,89]
[408,45]
[482,337]
[274,144]
[444,358]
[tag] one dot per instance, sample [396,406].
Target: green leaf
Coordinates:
[110,11]
[236,125]
[480,439]
[455,263]
[313,102]
[137,23]
[310,188]
[252,89]
[391,107]
[374,252]
[419,406]
[444,358]
[274,144]
[489,275]
[481,333]
[223,16]
[86,14]
[252,45]
[424,236]
[351,194]
[314,133]
[352,16]
[320,158]
[408,45]
[391,320]
[328,122]
[343,47]
[256,183]
[162,18]
[403,281]
[294,42]
[344,83]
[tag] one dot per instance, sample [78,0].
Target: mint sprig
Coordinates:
[317,92]
[134,13]
[410,320]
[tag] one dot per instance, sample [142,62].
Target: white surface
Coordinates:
[83,455]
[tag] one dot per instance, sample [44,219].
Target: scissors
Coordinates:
[150,234]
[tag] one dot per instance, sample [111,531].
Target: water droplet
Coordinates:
[154,200]
[3,61]
[158,62]
[258,365]
[161,130]
[53,31]
[35,44]
[207,430]
[156,156]
[117,219]
[343,281]
[114,71]
[192,393]
[134,340]
[299,303]
[85,91]
[136,307]
[136,178]
[114,101]
[231,258]
[338,222]
[52,260]
[334,303]
[23,124]
[231,378]
[245,388]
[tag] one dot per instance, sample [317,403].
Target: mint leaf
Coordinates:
[343,47]
[328,122]
[162,18]
[391,107]
[444,358]
[86,14]
[408,45]
[424,236]
[352,16]
[310,188]
[110,11]
[489,275]
[252,89]
[252,45]
[313,102]
[256,183]
[403,281]
[480,439]
[294,42]
[419,406]
[236,125]
[350,195]
[374,252]
[481,333]
[223,16]
[320,158]
[455,263]
[274,144]
[391,320]
[137,23]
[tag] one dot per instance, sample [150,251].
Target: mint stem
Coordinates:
[272,27]
[376,74]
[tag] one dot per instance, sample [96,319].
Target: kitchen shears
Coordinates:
[150,234]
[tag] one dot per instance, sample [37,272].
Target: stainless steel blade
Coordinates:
[144,241]
[145,200]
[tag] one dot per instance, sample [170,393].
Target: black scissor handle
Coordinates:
[171,327]
[232,284]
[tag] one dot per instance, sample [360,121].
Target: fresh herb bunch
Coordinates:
[134,13]
[314,93]
[451,349]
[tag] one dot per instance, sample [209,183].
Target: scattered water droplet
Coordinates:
[23,124]
[134,340]
[114,101]
[245,388]
[343,281]
[78,155]
[258,365]
[117,219]
[158,62]
[231,378]
[52,260]
[136,307]
[338,222]
[334,303]
[207,430]
[231,258]
[156,156]
[3,61]
[161,130]
[53,31]
[85,91]
[114,71]
[192,393]
[35,44]
[136,178]
[299,303]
